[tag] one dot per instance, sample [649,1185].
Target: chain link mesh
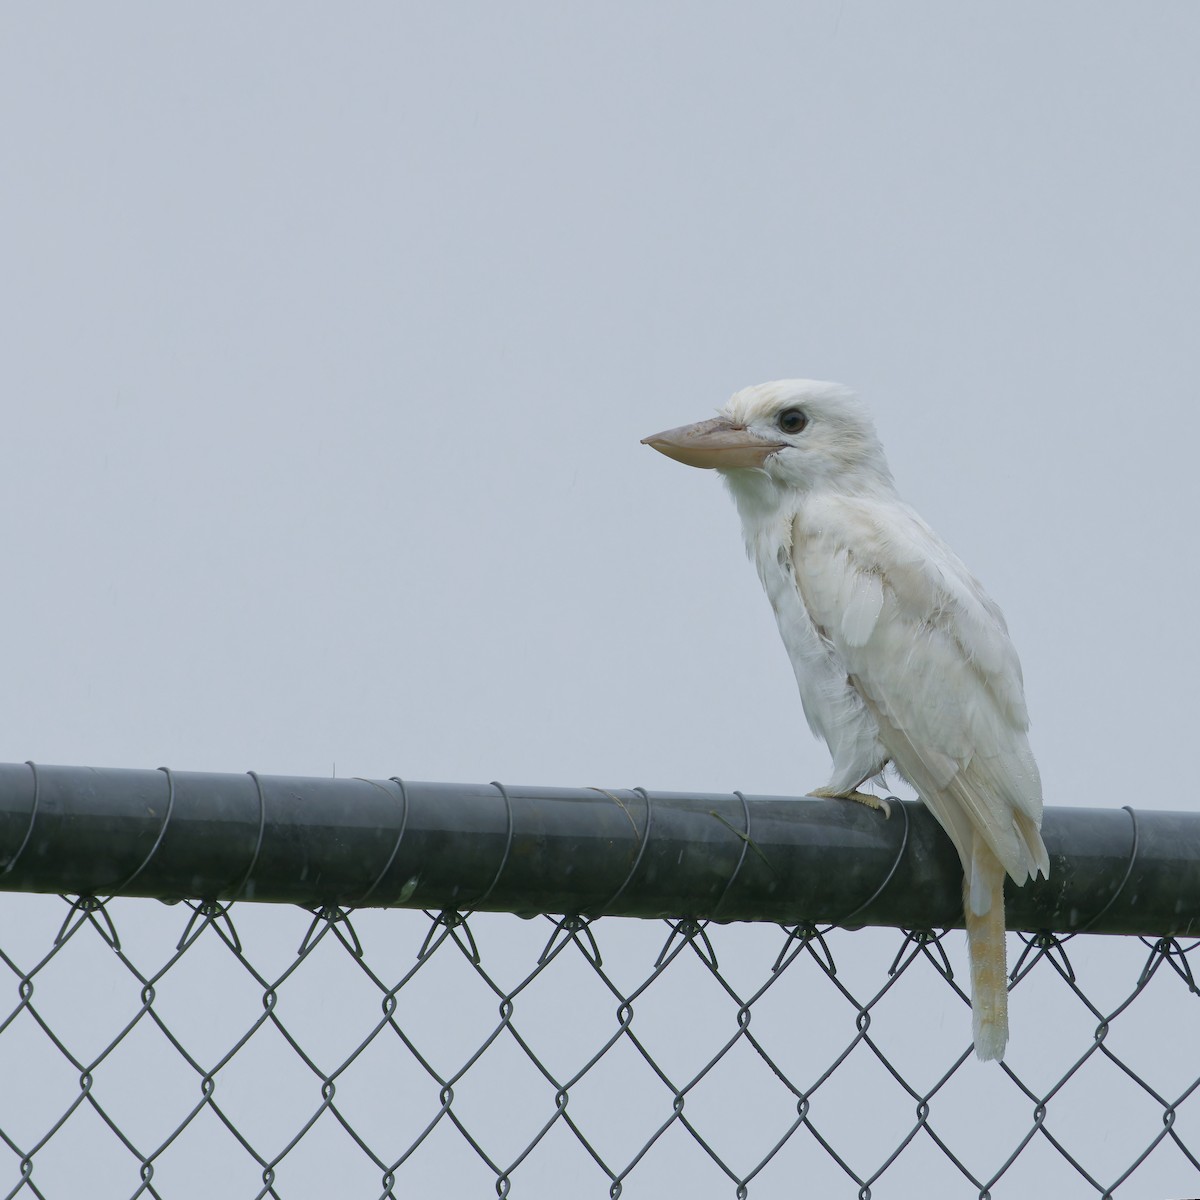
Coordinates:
[269,1051]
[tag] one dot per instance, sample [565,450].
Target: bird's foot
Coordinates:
[866,798]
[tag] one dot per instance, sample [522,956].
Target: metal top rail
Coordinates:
[579,851]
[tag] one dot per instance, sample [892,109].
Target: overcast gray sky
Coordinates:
[330,333]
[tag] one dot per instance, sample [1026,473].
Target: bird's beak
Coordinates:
[717,443]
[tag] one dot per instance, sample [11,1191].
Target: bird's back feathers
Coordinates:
[929,653]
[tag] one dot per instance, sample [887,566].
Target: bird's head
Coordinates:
[802,433]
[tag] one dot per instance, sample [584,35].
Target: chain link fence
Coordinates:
[203,1048]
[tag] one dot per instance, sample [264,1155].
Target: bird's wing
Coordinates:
[930,654]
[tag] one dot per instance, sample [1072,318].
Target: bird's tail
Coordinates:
[983,907]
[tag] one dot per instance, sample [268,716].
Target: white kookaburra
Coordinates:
[900,655]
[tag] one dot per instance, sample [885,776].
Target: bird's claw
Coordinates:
[875,802]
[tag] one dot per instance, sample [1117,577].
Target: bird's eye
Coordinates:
[792,420]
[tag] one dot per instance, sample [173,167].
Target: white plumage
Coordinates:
[900,655]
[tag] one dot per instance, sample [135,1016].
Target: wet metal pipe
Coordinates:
[176,834]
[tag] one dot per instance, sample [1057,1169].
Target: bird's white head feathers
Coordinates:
[824,433]
[797,435]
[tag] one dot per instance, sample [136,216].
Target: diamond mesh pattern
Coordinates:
[256,1050]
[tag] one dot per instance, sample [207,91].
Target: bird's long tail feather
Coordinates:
[983,907]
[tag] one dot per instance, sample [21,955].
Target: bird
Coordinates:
[902,659]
